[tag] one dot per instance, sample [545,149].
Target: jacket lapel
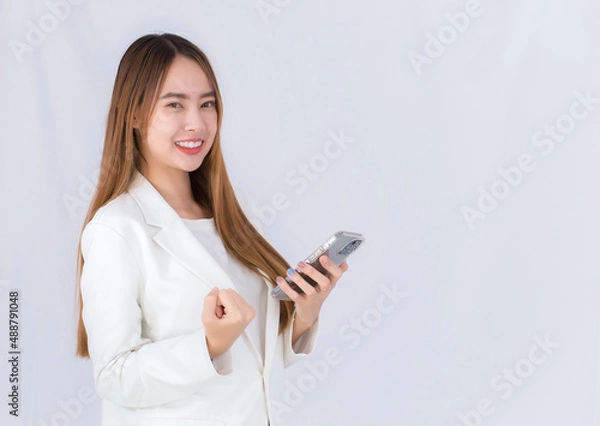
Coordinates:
[271,327]
[174,236]
[177,240]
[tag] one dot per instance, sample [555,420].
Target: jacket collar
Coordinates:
[174,236]
[176,239]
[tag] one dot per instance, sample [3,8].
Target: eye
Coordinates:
[209,104]
[174,105]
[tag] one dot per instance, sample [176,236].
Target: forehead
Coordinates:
[185,76]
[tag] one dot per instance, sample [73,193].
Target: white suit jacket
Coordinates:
[143,285]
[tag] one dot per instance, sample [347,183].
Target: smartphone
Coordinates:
[337,247]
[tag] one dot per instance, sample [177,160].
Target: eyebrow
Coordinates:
[184,96]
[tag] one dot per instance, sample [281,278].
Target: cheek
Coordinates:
[161,127]
[212,122]
[163,123]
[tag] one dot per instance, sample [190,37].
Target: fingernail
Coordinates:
[290,272]
[301,265]
[279,279]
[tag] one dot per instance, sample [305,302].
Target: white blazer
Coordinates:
[143,285]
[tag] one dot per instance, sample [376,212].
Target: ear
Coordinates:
[136,118]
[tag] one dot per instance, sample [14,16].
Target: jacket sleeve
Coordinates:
[131,370]
[304,346]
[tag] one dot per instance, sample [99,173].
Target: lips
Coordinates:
[190,146]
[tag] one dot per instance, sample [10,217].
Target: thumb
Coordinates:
[210,303]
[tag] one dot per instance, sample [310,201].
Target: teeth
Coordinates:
[189,144]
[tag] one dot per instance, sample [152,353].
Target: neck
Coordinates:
[175,187]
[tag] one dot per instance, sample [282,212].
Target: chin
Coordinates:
[191,168]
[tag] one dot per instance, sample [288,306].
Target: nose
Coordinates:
[195,120]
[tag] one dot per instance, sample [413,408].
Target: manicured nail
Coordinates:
[301,265]
[290,272]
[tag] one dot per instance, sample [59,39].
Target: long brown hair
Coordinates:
[139,77]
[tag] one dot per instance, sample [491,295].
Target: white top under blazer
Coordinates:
[143,285]
[251,287]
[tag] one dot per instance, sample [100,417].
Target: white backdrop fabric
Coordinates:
[460,137]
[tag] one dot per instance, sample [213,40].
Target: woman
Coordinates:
[174,280]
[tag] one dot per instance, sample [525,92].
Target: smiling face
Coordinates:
[182,128]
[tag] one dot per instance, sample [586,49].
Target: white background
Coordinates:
[427,141]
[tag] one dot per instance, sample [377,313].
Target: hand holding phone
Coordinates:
[337,248]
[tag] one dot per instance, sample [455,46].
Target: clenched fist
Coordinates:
[225,317]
